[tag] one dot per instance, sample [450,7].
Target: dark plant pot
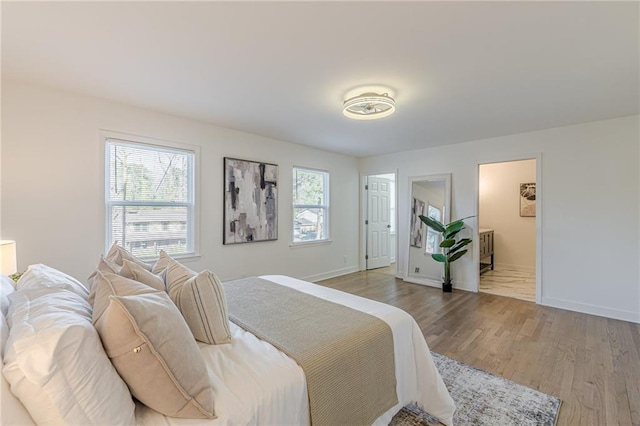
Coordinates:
[447,288]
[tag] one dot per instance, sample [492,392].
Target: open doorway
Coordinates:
[379,211]
[507,202]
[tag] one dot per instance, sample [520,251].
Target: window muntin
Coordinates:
[150,199]
[310,205]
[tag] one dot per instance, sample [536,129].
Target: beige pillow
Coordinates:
[152,349]
[118,254]
[162,263]
[103,266]
[136,272]
[107,284]
[200,298]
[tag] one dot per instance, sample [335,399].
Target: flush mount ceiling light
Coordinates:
[369,106]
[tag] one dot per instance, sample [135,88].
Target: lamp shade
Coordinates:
[8,257]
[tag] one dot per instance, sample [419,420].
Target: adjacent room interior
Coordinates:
[507,229]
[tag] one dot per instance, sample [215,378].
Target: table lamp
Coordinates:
[8,263]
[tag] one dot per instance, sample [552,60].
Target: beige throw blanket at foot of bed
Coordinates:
[346,355]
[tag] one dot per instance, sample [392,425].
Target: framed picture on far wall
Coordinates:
[250,201]
[417,209]
[528,199]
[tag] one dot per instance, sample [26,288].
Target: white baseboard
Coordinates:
[586,308]
[331,274]
[422,281]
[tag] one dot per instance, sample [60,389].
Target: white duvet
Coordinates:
[256,384]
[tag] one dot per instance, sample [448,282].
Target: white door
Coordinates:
[378,222]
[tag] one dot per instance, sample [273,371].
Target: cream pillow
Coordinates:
[118,254]
[162,263]
[136,272]
[201,300]
[150,345]
[56,364]
[108,284]
[103,266]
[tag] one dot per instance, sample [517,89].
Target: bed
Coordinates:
[256,384]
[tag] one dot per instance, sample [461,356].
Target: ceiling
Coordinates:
[459,71]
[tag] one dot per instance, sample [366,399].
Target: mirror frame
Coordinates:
[446,177]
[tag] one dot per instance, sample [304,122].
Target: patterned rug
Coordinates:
[484,399]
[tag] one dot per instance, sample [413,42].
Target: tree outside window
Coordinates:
[310,205]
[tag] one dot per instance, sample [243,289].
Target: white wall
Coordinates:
[53,197]
[514,237]
[589,207]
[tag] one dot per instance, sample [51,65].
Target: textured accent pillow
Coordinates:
[55,362]
[118,254]
[150,345]
[200,298]
[136,272]
[108,284]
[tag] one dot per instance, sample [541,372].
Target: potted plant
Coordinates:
[451,246]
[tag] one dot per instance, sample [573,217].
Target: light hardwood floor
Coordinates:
[510,282]
[591,363]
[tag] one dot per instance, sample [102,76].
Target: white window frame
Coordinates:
[325,206]
[193,216]
[437,238]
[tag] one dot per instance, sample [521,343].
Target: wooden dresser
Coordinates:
[486,250]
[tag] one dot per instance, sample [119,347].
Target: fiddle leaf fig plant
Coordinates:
[452,247]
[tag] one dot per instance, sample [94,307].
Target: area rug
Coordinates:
[484,399]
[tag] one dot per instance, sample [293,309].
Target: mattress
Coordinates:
[256,384]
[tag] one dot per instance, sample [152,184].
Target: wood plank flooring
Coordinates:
[510,282]
[591,363]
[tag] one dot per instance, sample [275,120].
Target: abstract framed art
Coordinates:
[417,209]
[250,201]
[528,199]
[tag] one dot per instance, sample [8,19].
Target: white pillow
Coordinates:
[38,276]
[7,286]
[12,412]
[55,361]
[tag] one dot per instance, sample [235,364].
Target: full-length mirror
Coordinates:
[429,196]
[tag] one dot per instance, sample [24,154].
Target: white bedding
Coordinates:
[256,384]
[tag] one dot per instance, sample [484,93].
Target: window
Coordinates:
[433,237]
[310,205]
[149,187]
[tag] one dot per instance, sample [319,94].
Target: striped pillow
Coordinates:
[200,298]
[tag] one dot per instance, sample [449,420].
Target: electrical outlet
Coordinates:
[417,270]
[344,259]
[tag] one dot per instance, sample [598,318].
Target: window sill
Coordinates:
[191,257]
[301,244]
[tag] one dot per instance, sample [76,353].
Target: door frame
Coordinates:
[363,215]
[539,190]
